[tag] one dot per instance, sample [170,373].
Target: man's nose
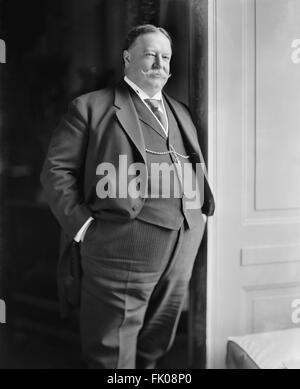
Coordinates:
[158,64]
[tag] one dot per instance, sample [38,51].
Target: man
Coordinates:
[136,246]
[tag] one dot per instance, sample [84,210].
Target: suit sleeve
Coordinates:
[62,172]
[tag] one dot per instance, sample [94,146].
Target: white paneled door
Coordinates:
[254,168]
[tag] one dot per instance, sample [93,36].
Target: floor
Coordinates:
[24,350]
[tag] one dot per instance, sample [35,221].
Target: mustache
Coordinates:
[156,73]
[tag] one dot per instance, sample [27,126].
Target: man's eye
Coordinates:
[150,54]
[166,57]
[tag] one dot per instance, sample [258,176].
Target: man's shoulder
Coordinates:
[95,98]
[178,105]
[93,104]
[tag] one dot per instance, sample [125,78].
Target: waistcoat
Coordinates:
[168,207]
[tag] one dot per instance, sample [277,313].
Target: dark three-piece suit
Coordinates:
[131,272]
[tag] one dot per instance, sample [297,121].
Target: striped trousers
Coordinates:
[135,279]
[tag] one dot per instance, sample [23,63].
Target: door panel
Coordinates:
[254,160]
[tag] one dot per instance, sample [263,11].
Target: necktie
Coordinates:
[157,109]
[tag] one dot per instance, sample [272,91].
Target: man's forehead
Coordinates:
[153,40]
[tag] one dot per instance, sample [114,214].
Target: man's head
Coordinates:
[147,57]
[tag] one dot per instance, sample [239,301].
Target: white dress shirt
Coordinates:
[143,96]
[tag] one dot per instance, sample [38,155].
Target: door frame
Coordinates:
[212,239]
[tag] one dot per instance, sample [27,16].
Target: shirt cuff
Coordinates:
[80,234]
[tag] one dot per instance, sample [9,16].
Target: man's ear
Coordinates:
[126,57]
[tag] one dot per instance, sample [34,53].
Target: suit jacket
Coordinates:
[98,127]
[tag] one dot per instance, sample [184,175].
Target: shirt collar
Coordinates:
[143,95]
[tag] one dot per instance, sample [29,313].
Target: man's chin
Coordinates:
[157,82]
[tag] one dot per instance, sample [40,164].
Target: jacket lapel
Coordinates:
[128,118]
[185,124]
[147,117]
